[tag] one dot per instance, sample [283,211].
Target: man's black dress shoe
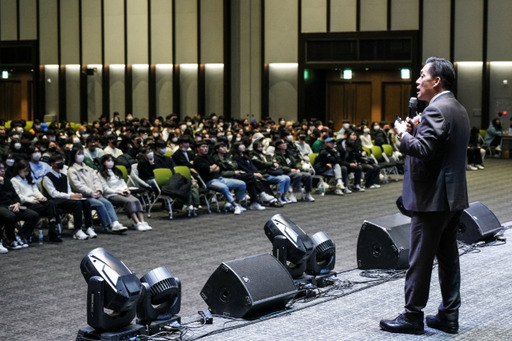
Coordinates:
[403,324]
[447,326]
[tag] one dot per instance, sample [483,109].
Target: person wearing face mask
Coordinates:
[39,169]
[116,190]
[172,142]
[345,126]
[17,149]
[57,187]
[31,197]
[378,134]
[183,156]
[162,160]
[366,138]
[84,180]
[146,164]
[320,142]
[93,153]
[111,147]
[301,145]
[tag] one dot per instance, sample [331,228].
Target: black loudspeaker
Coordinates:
[383,243]
[477,223]
[249,286]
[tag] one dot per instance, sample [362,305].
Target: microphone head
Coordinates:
[413,101]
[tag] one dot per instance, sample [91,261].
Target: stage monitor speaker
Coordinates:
[477,223]
[383,243]
[249,286]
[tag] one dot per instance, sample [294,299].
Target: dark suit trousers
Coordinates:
[433,234]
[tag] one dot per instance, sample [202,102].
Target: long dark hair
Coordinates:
[22,164]
[104,170]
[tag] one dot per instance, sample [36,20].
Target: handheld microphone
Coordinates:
[413,102]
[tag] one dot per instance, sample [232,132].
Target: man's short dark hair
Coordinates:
[442,68]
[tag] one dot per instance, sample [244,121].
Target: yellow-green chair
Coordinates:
[162,175]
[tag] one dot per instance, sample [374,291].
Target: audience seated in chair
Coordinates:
[56,186]
[84,180]
[116,190]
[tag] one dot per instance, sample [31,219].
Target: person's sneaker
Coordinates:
[282,200]
[242,209]
[14,245]
[3,249]
[292,198]
[265,197]
[256,207]
[148,228]
[237,210]
[340,186]
[21,242]
[80,235]
[228,207]
[309,197]
[140,227]
[480,166]
[358,188]
[347,191]
[374,186]
[338,191]
[90,233]
[117,227]
[471,168]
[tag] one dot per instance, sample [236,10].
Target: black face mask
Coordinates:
[60,165]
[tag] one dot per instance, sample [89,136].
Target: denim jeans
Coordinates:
[105,210]
[282,181]
[225,185]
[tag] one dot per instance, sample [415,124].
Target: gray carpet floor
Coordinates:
[43,294]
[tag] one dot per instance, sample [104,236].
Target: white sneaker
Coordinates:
[480,166]
[80,235]
[338,191]
[471,168]
[148,228]
[309,197]
[374,186]
[237,210]
[140,227]
[292,198]
[90,232]
[358,188]
[256,206]
[117,227]
[347,191]
[340,186]
[282,200]
[266,197]
[21,242]
[3,249]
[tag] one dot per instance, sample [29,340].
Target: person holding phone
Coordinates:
[12,212]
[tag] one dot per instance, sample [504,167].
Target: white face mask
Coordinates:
[76,140]
[80,158]
[282,123]
[230,138]
[163,150]
[238,139]
[366,130]
[289,138]
[174,139]
[17,146]
[346,125]
[36,156]
[183,127]
[9,162]
[376,128]
[145,136]
[109,164]
[150,155]
[189,124]
[19,129]
[155,135]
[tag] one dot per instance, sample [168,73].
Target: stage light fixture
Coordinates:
[113,292]
[323,259]
[160,300]
[291,245]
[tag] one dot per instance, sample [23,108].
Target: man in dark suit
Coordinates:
[435,191]
[184,156]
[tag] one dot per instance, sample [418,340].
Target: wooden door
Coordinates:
[395,100]
[10,99]
[350,101]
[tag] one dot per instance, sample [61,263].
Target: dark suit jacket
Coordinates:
[435,168]
[180,159]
